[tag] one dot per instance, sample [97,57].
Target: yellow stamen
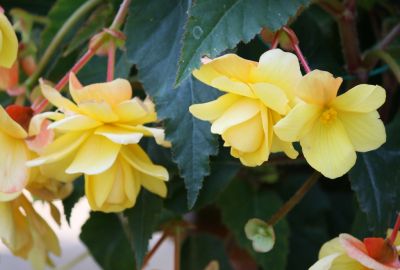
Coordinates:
[328,116]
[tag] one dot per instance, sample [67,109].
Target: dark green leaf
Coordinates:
[104,237]
[154,30]
[375,180]
[77,193]
[142,220]
[199,250]
[238,204]
[215,26]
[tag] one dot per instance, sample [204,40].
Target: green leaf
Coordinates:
[154,30]
[375,180]
[215,26]
[104,237]
[199,250]
[142,220]
[97,21]
[238,204]
[77,193]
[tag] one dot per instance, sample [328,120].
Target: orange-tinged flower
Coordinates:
[8,43]
[26,234]
[98,137]
[258,95]
[347,252]
[332,128]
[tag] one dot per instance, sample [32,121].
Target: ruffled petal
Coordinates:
[112,93]
[56,170]
[361,98]
[241,111]
[35,126]
[9,42]
[96,155]
[131,110]
[328,149]
[10,127]
[278,68]
[118,134]
[331,247]
[298,122]
[99,111]
[325,263]
[76,122]
[138,159]
[210,111]
[154,185]
[366,131]
[98,187]
[272,97]
[55,98]
[318,87]
[229,73]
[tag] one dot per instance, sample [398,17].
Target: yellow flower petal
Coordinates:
[60,148]
[331,247]
[272,97]
[365,130]
[112,93]
[242,110]
[325,263]
[345,262]
[318,87]
[327,149]
[361,98]
[99,111]
[95,155]
[298,122]
[35,125]
[10,127]
[8,43]
[55,98]
[132,181]
[75,122]
[131,110]
[280,146]
[210,111]
[56,169]
[138,159]
[154,185]
[246,136]
[98,187]
[229,73]
[278,68]
[13,172]
[118,134]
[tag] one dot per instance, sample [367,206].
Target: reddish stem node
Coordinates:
[395,229]
[111,62]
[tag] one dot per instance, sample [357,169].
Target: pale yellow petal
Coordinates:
[325,263]
[35,125]
[112,93]
[14,174]
[345,262]
[210,111]
[96,155]
[331,247]
[99,111]
[240,111]
[278,68]
[272,96]
[60,148]
[157,133]
[246,136]
[131,110]
[298,122]
[132,181]
[361,98]
[138,159]
[8,41]
[56,170]
[118,134]
[328,149]
[154,185]
[366,131]
[76,122]
[55,98]
[98,187]
[318,87]
[287,147]
[232,86]
[9,126]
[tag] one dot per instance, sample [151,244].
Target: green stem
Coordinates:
[62,32]
[295,199]
[390,61]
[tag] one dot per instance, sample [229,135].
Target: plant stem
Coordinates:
[120,17]
[154,249]
[389,38]
[395,230]
[54,45]
[295,199]
[302,59]
[275,41]
[177,249]
[74,262]
[111,61]
[390,61]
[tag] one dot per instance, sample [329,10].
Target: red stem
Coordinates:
[154,249]
[111,62]
[275,41]
[395,229]
[301,57]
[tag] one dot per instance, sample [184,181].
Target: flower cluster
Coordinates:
[269,105]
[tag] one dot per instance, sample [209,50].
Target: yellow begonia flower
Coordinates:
[349,253]
[14,174]
[26,234]
[332,128]
[258,94]
[98,137]
[8,43]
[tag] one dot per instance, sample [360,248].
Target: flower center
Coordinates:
[328,116]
